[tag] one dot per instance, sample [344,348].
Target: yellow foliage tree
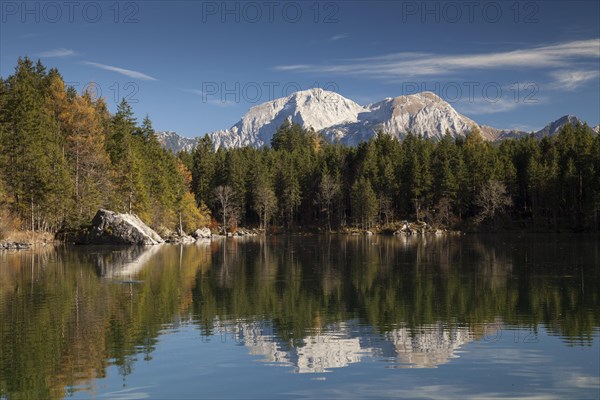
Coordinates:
[191,217]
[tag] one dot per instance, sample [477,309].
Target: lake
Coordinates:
[453,317]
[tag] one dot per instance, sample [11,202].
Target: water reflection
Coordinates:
[311,305]
[348,342]
[122,261]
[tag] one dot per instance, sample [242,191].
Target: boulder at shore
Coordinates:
[109,227]
[203,233]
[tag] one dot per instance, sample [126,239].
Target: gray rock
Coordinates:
[109,227]
[186,239]
[176,239]
[203,233]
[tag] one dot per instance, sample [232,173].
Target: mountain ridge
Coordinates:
[344,121]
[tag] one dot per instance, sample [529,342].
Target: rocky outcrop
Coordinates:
[419,228]
[14,246]
[109,227]
[176,238]
[246,232]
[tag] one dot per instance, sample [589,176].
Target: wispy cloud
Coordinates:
[482,106]
[221,103]
[194,91]
[341,36]
[572,79]
[62,52]
[405,64]
[127,72]
[295,67]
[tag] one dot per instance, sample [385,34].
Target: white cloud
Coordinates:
[572,79]
[341,36]
[296,67]
[127,72]
[484,106]
[62,52]
[428,64]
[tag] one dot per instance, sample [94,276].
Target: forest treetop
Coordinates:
[63,156]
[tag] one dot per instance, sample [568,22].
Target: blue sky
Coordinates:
[198,66]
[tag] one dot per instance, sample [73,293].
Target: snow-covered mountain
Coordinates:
[172,141]
[344,121]
[424,114]
[316,108]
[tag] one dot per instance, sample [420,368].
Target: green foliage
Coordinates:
[63,156]
[364,203]
[203,170]
[551,183]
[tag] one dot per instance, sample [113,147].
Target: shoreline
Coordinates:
[26,240]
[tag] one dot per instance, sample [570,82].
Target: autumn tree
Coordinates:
[329,189]
[225,197]
[87,156]
[265,202]
[491,200]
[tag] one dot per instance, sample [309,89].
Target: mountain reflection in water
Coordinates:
[310,304]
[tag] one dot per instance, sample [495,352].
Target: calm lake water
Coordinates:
[305,317]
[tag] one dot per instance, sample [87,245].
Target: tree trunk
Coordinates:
[265,221]
[77,177]
[32,217]
[180,224]
[130,201]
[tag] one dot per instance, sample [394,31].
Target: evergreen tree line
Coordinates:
[63,156]
[302,181]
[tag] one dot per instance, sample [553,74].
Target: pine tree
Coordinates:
[290,193]
[124,150]
[146,129]
[364,203]
[28,162]
[203,170]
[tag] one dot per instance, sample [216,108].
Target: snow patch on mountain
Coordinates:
[343,121]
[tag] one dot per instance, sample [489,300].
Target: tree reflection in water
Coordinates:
[312,304]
